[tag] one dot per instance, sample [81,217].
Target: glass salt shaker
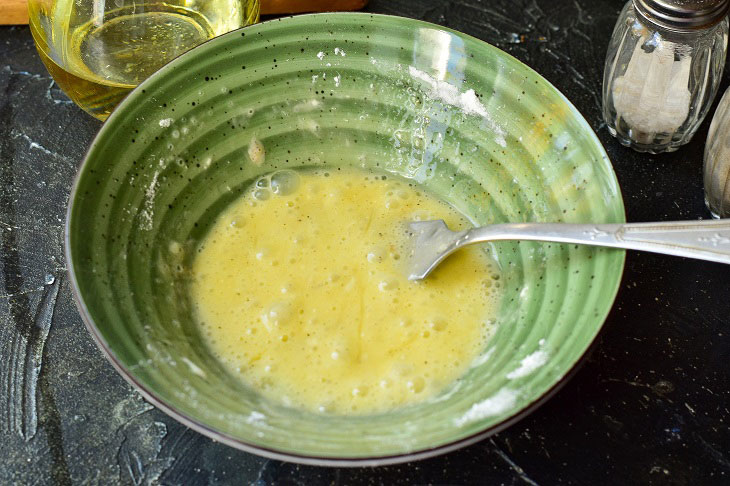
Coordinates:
[717,161]
[663,69]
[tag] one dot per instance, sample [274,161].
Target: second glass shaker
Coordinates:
[663,69]
[717,161]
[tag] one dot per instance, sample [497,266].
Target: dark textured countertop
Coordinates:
[651,403]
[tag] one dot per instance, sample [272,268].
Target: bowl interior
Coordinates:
[471,124]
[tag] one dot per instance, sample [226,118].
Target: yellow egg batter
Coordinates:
[300,287]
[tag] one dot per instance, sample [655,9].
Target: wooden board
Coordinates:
[15,12]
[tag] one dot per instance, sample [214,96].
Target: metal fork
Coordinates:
[431,241]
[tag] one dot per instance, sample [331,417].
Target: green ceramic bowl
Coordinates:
[463,119]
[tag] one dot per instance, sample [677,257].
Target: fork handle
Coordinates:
[704,240]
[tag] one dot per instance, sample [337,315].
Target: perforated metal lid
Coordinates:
[683,15]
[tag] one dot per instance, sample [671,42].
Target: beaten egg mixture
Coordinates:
[300,287]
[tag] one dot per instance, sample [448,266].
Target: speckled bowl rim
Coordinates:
[313,460]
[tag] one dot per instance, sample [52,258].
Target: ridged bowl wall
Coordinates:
[461,118]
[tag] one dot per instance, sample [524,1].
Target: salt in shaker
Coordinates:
[663,69]
[717,161]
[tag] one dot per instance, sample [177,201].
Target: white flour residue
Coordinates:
[500,402]
[165,122]
[194,368]
[448,394]
[480,360]
[149,203]
[256,151]
[320,55]
[468,101]
[256,418]
[305,106]
[529,364]
[340,52]
[337,81]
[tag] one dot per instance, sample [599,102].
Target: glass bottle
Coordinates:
[663,68]
[98,50]
[717,161]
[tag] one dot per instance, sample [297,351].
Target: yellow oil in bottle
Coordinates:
[98,55]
